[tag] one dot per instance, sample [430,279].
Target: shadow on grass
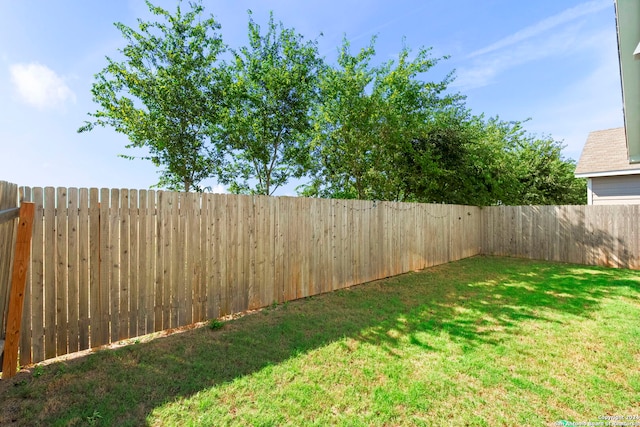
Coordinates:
[474,301]
[485,295]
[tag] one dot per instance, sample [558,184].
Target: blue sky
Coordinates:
[552,61]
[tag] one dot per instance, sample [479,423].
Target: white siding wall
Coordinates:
[616,190]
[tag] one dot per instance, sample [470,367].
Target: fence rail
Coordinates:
[112,264]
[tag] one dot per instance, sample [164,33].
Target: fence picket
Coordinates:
[37,277]
[235,228]
[61,279]
[221,246]
[104,284]
[123,251]
[8,200]
[163,297]
[135,221]
[73,270]
[181,258]
[162,231]
[95,273]
[145,270]
[176,260]
[84,258]
[210,261]
[192,273]
[26,337]
[114,266]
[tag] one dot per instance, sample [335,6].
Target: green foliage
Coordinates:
[94,418]
[382,134]
[367,116]
[447,162]
[215,324]
[164,94]
[37,371]
[544,177]
[488,162]
[266,128]
[276,111]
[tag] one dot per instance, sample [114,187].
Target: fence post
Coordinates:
[16,295]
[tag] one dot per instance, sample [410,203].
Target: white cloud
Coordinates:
[545,25]
[560,34]
[482,71]
[219,188]
[593,102]
[587,99]
[39,86]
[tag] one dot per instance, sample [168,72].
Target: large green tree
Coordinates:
[383,132]
[368,117]
[267,125]
[448,161]
[542,175]
[345,124]
[465,159]
[165,94]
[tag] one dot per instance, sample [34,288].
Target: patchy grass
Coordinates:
[483,341]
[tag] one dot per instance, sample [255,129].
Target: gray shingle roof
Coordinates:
[605,151]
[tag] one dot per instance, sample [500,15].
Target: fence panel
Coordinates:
[592,235]
[112,264]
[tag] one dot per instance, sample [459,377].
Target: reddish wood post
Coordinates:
[18,283]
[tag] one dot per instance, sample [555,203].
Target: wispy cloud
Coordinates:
[557,35]
[483,70]
[590,103]
[545,25]
[39,86]
[375,30]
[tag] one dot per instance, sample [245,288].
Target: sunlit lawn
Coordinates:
[483,341]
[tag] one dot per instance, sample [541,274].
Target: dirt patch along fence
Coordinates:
[112,264]
[590,235]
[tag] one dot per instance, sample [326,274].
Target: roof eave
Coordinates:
[607,173]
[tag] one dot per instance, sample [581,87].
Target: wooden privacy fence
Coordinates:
[591,235]
[112,264]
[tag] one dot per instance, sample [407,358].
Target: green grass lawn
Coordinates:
[483,341]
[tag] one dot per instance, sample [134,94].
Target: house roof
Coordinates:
[605,154]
